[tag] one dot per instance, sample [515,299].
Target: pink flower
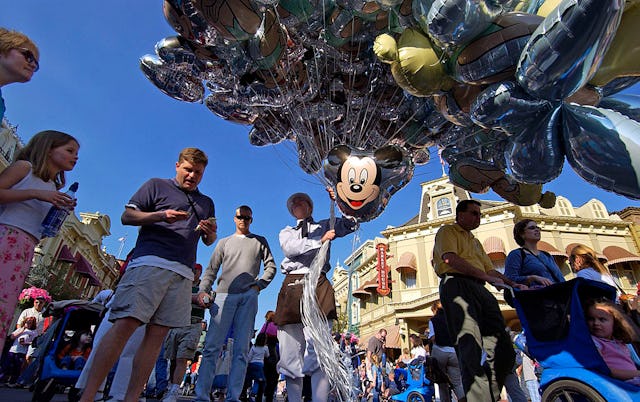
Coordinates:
[33,293]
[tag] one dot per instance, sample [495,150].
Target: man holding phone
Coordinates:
[156,288]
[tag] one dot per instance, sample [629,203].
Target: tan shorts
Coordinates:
[181,343]
[153,295]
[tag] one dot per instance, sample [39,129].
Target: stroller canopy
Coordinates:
[555,326]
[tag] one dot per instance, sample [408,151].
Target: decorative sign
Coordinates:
[383,270]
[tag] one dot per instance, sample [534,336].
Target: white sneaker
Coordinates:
[172,394]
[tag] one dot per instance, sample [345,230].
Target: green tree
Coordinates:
[341,323]
[52,279]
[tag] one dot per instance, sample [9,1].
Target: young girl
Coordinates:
[74,355]
[611,331]
[255,370]
[22,338]
[28,189]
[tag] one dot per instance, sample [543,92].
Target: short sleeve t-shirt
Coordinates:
[454,239]
[375,346]
[177,241]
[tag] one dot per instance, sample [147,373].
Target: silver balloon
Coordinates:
[453,23]
[627,104]
[493,55]
[603,147]
[174,52]
[224,105]
[507,107]
[176,84]
[535,155]
[563,54]
[456,103]
[364,181]
[618,85]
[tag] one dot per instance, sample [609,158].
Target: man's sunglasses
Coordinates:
[244,217]
[29,57]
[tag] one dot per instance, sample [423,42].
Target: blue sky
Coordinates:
[90,86]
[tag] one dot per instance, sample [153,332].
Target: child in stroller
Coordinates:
[74,355]
[613,334]
[558,337]
[71,319]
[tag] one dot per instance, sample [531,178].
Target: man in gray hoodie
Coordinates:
[236,301]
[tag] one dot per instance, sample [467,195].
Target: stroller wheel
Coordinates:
[44,390]
[570,391]
[415,397]
[74,394]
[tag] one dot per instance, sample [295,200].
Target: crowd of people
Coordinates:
[155,316]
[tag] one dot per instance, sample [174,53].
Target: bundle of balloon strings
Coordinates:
[335,364]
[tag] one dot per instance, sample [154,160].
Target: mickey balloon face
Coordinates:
[364,181]
[358,181]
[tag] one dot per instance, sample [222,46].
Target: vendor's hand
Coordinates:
[332,193]
[329,235]
[171,215]
[538,279]
[203,299]
[520,286]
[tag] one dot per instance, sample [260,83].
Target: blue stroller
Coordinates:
[557,336]
[419,388]
[69,316]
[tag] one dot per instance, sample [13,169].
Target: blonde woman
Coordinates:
[585,264]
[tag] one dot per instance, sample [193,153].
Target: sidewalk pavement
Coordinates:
[23,395]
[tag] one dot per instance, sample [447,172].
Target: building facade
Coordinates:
[412,279]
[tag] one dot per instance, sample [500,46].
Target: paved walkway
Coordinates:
[23,395]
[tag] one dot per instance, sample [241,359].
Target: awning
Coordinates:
[617,255]
[407,262]
[544,246]
[393,337]
[494,247]
[65,254]
[370,284]
[360,293]
[83,267]
[603,258]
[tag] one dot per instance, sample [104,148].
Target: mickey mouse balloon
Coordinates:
[365,180]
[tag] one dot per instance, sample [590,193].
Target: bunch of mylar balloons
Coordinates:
[504,89]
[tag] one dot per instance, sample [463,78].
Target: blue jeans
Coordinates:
[229,309]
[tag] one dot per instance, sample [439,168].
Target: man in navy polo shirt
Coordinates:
[156,288]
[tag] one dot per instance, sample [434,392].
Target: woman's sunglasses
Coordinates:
[29,57]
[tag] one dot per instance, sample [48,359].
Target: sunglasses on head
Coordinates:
[29,57]
[244,217]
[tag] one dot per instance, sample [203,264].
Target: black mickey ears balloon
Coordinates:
[365,181]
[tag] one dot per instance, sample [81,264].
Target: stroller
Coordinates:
[69,316]
[419,387]
[557,336]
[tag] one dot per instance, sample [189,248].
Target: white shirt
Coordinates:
[418,351]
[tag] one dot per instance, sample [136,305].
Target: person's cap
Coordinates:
[298,195]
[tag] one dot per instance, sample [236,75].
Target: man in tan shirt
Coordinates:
[472,313]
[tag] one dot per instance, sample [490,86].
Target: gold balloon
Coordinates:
[384,46]
[548,6]
[623,57]
[414,64]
